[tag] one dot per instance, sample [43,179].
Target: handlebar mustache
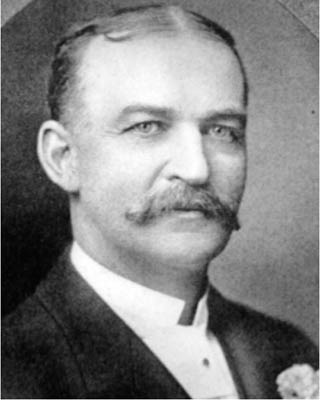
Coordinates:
[181,196]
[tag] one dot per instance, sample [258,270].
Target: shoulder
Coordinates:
[34,348]
[283,342]
[281,336]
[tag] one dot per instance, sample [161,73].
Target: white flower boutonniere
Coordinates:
[300,381]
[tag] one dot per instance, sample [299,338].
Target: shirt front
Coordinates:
[191,353]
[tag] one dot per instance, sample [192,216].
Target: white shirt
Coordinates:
[191,353]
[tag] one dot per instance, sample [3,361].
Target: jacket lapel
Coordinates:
[113,361]
[250,363]
[152,379]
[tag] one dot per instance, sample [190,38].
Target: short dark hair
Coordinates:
[125,24]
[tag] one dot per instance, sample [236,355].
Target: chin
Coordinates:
[192,247]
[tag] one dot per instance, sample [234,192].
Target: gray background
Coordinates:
[272,263]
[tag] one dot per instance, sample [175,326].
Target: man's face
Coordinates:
[165,113]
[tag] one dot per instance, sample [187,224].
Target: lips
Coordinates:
[189,210]
[184,209]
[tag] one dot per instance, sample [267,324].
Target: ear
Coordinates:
[57,155]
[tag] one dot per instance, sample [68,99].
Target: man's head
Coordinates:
[147,135]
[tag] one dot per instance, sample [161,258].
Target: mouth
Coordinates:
[190,209]
[189,212]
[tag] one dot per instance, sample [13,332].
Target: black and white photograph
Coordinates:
[160,199]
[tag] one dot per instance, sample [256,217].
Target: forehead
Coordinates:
[180,71]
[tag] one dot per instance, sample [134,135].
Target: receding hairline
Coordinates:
[127,25]
[130,22]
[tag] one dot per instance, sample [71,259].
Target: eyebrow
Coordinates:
[227,114]
[169,113]
[158,112]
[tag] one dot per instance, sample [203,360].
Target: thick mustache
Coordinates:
[183,197]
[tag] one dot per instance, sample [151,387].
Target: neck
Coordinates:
[177,278]
[184,281]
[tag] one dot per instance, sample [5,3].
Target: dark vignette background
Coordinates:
[272,263]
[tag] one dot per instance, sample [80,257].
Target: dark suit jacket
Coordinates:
[64,342]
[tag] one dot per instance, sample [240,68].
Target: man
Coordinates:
[148,139]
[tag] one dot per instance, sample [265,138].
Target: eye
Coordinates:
[226,134]
[147,128]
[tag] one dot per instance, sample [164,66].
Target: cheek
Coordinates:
[229,176]
[114,177]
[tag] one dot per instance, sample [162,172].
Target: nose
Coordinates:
[188,160]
